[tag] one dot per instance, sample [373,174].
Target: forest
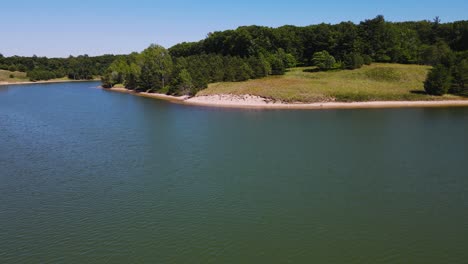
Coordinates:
[251,52]
[37,68]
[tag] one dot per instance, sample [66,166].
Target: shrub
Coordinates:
[323,60]
[367,59]
[353,61]
[12,76]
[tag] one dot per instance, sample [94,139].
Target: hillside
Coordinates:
[380,81]
[5,76]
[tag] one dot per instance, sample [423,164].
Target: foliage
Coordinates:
[438,80]
[277,65]
[323,60]
[439,53]
[81,67]
[183,84]
[460,78]
[156,68]
[353,61]
[40,75]
[367,59]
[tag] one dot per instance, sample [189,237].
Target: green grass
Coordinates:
[395,82]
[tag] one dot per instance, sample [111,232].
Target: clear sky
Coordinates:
[58,28]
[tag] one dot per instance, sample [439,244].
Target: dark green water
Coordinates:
[91,176]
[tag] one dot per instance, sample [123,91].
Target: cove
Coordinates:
[92,176]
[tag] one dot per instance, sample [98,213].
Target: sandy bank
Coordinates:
[251,101]
[150,95]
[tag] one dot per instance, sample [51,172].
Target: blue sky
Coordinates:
[59,28]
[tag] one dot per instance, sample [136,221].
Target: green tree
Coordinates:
[260,66]
[131,77]
[438,80]
[323,60]
[183,84]
[379,38]
[439,53]
[353,61]
[156,68]
[277,65]
[288,59]
[460,78]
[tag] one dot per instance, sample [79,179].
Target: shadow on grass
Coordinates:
[322,70]
[452,93]
[312,70]
[419,92]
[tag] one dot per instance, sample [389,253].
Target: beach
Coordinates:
[252,101]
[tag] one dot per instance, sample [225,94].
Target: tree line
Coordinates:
[41,68]
[255,51]
[156,69]
[383,41]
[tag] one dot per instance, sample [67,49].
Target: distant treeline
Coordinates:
[254,52]
[42,68]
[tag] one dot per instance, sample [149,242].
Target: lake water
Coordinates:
[92,176]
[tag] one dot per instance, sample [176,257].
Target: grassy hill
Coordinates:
[5,76]
[396,82]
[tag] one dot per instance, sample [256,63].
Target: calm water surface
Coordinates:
[91,176]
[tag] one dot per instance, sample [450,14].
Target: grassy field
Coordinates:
[17,76]
[395,82]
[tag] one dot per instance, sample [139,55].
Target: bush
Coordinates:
[438,81]
[323,60]
[353,61]
[367,59]
[12,76]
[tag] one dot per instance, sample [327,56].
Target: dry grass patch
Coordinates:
[5,76]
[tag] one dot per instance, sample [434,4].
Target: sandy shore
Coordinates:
[257,102]
[150,95]
[250,101]
[39,82]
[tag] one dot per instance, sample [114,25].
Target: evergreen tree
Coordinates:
[460,78]
[438,80]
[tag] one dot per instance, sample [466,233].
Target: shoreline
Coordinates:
[257,102]
[45,82]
